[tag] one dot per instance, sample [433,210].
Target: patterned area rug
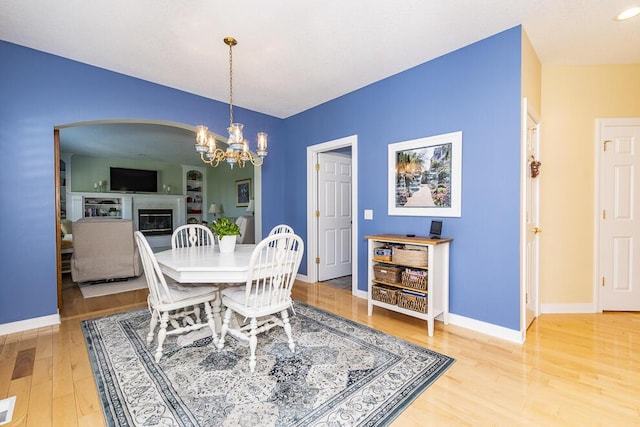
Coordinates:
[342,374]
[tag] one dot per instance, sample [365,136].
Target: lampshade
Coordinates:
[250,208]
[214,209]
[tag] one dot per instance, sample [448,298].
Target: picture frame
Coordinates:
[425,176]
[243,192]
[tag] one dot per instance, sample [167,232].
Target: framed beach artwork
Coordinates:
[425,176]
[243,192]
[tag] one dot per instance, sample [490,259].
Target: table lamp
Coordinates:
[215,210]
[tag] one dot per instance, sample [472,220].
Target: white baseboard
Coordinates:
[464,322]
[487,328]
[360,294]
[24,325]
[568,308]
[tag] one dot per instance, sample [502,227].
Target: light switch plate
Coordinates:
[368,214]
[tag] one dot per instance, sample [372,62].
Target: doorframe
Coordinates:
[597,205]
[527,111]
[312,196]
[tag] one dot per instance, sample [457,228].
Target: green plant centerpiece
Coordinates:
[226,230]
[225,227]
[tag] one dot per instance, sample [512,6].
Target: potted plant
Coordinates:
[226,230]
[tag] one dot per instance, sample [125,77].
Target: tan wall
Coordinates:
[573,97]
[531,73]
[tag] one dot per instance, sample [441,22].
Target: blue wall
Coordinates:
[39,91]
[475,90]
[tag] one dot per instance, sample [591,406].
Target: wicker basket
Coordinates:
[415,279]
[384,294]
[410,256]
[387,273]
[412,302]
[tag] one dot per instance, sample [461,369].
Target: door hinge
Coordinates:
[604,214]
[605,144]
[317,214]
[317,260]
[603,281]
[317,166]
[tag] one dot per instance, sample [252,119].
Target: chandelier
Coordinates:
[237,151]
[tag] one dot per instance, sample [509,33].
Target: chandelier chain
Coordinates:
[230,84]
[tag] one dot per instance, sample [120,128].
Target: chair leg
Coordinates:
[287,328]
[253,343]
[162,333]
[152,325]
[211,322]
[196,312]
[225,326]
[217,309]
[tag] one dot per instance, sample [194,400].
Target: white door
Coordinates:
[532,202]
[620,202]
[334,215]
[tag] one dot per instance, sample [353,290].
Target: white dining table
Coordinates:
[205,264]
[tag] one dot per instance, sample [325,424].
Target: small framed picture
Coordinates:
[243,192]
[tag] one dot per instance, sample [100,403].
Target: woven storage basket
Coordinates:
[387,273]
[412,302]
[384,294]
[414,279]
[410,256]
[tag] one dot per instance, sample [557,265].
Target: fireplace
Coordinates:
[155,222]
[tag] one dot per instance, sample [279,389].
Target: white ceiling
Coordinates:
[294,55]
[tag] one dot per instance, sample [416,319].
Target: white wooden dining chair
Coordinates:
[169,302]
[192,235]
[273,267]
[281,228]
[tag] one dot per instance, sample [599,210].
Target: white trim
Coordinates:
[312,195]
[596,213]
[25,325]
[487,328]
[569,308]
[360,294]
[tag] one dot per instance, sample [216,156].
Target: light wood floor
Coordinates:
[578,370]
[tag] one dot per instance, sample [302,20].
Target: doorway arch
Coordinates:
[110,138]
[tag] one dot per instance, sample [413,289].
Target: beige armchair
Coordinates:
[104,249]
[247,229]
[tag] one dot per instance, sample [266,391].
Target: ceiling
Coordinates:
[132,139]
[294,55]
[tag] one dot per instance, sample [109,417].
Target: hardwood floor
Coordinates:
[579,369]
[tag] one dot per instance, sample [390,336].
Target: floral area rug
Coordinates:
[341,374]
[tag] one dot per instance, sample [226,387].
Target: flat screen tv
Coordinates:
[133,180]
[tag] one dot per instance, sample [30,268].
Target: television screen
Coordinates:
[134,180]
